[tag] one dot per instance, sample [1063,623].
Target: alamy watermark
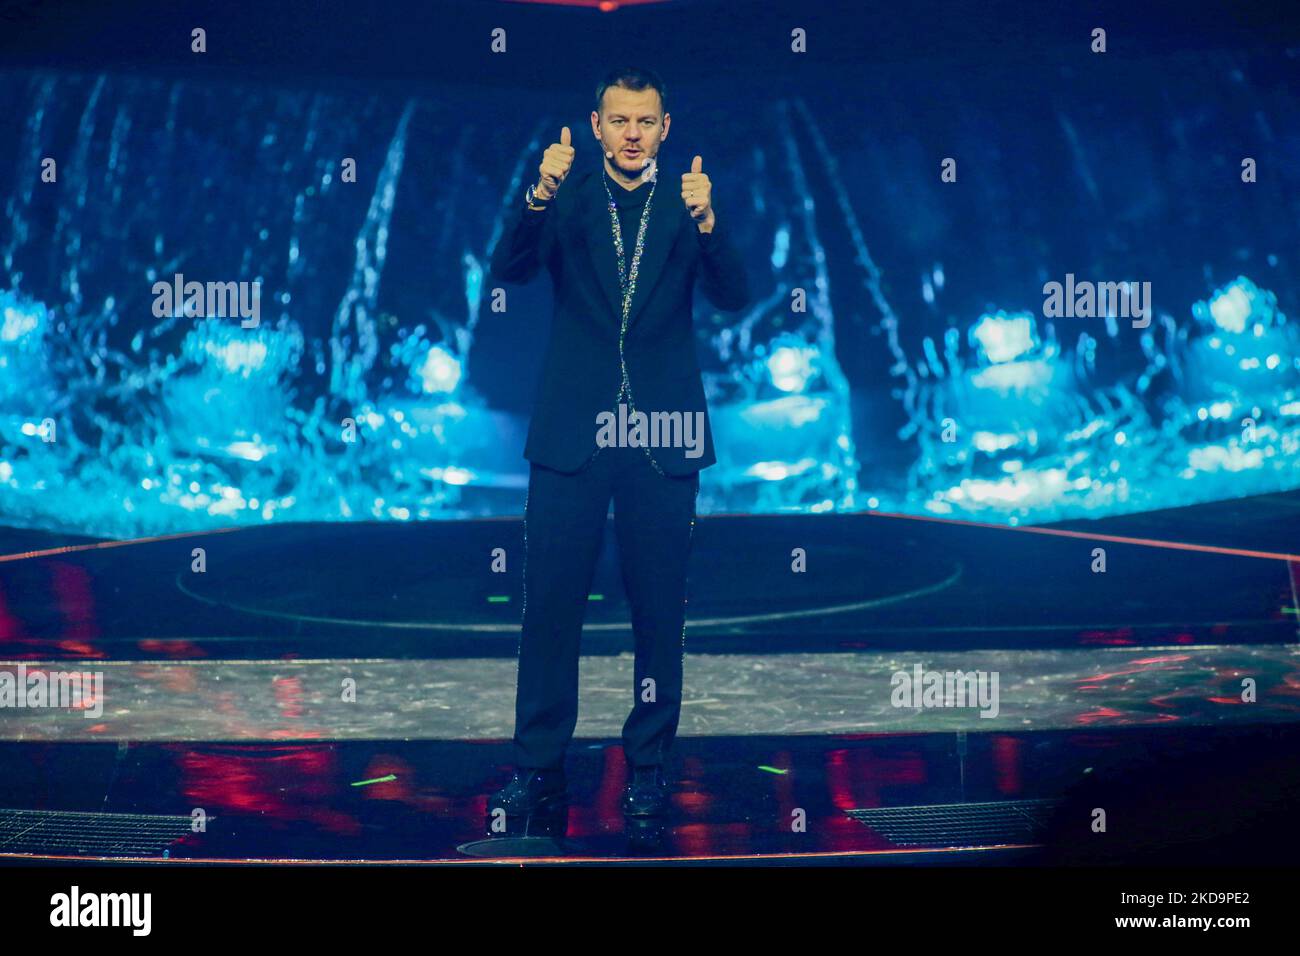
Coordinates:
[656,430]
[922,688]
[209,299]
[75,690]
[75,908]
[1091,300]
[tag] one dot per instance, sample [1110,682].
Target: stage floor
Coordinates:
[223,689]
[991,798]
[726,695]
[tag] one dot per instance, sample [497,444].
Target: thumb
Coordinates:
[697,165]
[564,136]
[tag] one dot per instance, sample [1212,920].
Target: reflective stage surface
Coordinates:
[345,692]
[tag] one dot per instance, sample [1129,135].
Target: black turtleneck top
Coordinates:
[631,202]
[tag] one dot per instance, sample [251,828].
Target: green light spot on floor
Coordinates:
[498,598]
[366,783]
[764,766]
[595,597]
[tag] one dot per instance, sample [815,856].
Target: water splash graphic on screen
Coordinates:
[353,397]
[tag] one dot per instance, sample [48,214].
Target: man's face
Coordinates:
[629,126]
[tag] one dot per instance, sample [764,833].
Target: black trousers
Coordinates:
[564,526]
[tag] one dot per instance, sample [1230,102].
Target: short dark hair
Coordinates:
[632,78]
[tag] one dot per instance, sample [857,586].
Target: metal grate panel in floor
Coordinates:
[996,823]
[64,832]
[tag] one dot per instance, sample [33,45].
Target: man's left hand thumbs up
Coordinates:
[697,193]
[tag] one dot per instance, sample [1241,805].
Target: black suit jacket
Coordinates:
[581,375]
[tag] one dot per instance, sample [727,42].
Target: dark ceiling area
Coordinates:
[553,46]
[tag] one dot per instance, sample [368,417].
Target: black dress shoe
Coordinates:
[534,803]
[646,794]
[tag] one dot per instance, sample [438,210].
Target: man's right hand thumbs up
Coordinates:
[555,165]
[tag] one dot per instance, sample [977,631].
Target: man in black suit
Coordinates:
[624,257]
